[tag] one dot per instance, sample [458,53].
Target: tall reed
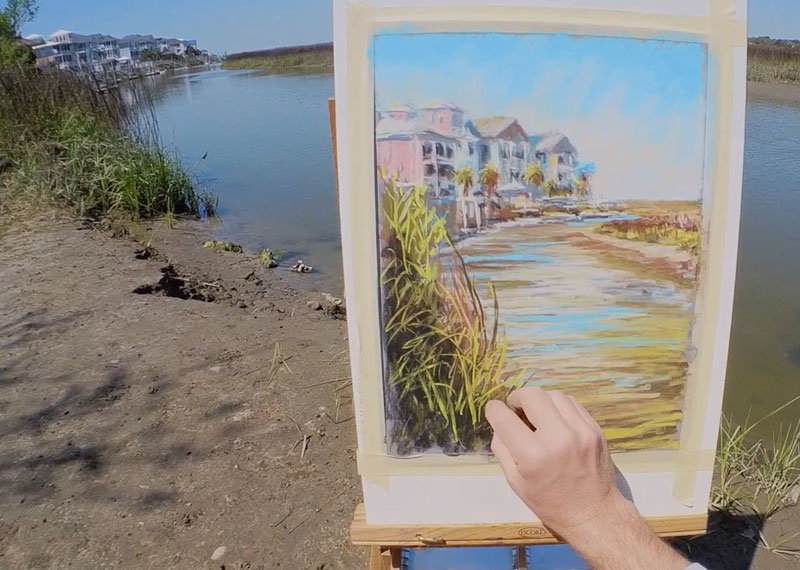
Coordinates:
[444,355]
[63,141]
[773,63]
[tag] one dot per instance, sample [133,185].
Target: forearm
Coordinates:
[619,539]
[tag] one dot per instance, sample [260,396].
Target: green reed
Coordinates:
[64,142]
[444,355]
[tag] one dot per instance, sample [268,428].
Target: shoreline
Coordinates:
[784,91]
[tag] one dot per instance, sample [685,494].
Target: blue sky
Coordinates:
[635,108]
[237,25]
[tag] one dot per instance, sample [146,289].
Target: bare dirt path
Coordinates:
[144,431]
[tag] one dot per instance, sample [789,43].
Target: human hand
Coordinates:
[562,470]
[557,461]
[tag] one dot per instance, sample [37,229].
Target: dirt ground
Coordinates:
[140,430]
[144,431]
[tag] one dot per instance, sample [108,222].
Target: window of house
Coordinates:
[429,169]
[471,148]
[441,120]
[450,151]
[503,150]
[439,149]
[560,159]
[427,149]
[519,151]
[486,153]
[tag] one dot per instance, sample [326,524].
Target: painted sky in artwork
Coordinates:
[635,108]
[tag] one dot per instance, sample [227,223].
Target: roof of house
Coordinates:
[555,142]
[137,38]
[405,108]
[442,105]
[492,127]
[61,32]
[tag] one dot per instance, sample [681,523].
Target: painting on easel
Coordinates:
[542,194]
[539,224]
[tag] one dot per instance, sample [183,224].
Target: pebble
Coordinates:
[219,553]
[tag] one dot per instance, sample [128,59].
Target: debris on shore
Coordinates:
[300,267]
[223,246]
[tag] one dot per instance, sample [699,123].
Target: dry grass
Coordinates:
[773,63]
[679,230]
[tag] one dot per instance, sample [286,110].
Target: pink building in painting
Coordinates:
[426,146]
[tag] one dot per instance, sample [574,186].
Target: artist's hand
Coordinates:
[555,457]
[563,470]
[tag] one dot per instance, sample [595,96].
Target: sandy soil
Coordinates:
[143,431]
[146,431]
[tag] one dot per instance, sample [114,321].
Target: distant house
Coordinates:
[69,50]
[557,155]
[506,145]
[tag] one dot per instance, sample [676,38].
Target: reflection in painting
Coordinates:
[539,224]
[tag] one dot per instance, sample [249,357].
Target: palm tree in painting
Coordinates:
[582,186]
[534,175]
[466,181]
[489,176]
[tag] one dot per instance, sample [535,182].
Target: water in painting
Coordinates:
[539,224]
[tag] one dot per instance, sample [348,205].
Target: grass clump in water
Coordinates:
[223,246]
[444,355]
[756,477]
[99,154]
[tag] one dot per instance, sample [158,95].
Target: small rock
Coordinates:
[241,305]
[219,553]
[315,305]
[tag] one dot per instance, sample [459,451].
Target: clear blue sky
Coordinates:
[238,25]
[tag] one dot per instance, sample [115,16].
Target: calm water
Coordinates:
[269,158]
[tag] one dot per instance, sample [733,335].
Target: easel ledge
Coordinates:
[387,541]
[512,534]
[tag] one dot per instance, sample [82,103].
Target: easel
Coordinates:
[387,542]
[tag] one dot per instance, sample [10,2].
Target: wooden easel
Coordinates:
[386,542]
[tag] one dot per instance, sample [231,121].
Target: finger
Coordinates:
[569,413]
[508,427]
[538,407]
[506,461]
[587,417]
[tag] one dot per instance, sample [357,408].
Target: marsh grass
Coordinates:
[679,230]
[773,63]
[444,355]
[316,57]
[754,476]
[99,154]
